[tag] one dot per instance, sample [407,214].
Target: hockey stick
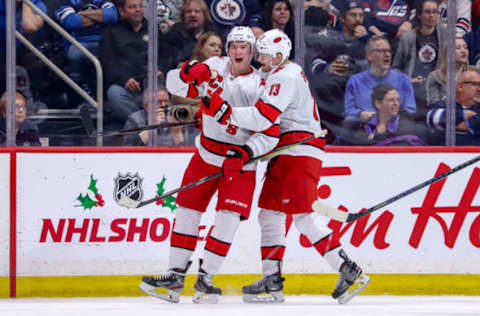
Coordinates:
[89,128]
[129,203]
[341,216]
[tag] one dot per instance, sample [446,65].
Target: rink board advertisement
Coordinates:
[70,224]
[4,214]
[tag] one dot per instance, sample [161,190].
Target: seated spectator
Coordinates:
[168,136]
[467,111]
[473,38]
[464,8]
[419,51]
[436,82]
[279,14]
[195,20]
[26,130]
[27,21]
[123,52]
[387,126]
[168,13]
[335,56]
[85,21]
[227,14]
[358,103]
[208,45]
[390,19]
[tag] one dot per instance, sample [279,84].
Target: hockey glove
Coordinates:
[218,108]
[195,72]
[233,163]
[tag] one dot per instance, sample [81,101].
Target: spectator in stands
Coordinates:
[336,56]
[437,80]
[227,14]
[388,126]
[85,20]
[467,111]
[208,45]
[168,13]
[464,8]
[182,37]
[358,103]
[390,19]
[123,52]
[419,51]
[279,14]
[473,38]
[168,136]
[27,21]
[26,130]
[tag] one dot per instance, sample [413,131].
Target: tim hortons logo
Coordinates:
[426,212]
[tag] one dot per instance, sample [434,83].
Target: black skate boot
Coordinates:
[270,284]
[351,281]
[205,291]
[172,281]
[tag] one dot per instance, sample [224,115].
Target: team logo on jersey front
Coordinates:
[129,185]
[228,12]
[427,54]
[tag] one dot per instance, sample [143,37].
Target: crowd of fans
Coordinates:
[376,67]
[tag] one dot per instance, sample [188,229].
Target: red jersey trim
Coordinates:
[291,137]
[270,112]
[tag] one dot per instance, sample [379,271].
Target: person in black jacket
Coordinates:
[182,37]
[27,130]
[123,52]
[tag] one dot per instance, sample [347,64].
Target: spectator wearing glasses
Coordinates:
[26,130]
[467,111]
[420,50]
[358,101]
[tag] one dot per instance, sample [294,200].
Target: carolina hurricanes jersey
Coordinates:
[239,92]
[286,100]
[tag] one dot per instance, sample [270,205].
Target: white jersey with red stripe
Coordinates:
[287,100]
[241,91]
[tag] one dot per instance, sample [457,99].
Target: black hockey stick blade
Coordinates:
[345,217]
[87,121]
[130,203]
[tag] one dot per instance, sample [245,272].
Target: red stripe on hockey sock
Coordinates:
[326,244]
[273,252]
[268,110]
[273,131]
[217,246]
[183,241]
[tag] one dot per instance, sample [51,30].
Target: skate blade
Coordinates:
[273,298]
[171,296]
[360,283]
[203,298]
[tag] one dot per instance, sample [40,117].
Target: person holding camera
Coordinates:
[167,136]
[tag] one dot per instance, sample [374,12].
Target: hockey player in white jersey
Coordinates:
[220,147]
[291,180]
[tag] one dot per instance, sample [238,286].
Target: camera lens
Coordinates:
[180,113]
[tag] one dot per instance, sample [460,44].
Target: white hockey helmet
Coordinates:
[241,34]
[273,42]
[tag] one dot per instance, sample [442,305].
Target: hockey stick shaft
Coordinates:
[350,217]
[134,204]
[144,128]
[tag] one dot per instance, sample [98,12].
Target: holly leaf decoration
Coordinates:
[161,186]
[170,203]
[86,202]
[93,185]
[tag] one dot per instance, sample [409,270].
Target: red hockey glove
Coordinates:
[218,108]
[196,72]
[233,164]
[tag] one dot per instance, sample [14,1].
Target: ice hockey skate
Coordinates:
[205,291]
[268,289]
[351,282]
[172,282]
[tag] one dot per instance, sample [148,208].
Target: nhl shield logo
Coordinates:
[128,185]
[228,12]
